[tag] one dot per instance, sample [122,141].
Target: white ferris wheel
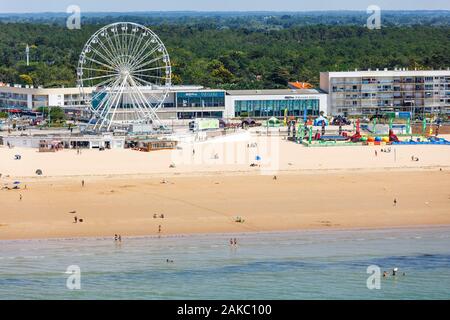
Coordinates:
[128,67]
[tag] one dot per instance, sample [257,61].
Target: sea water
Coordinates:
[289,265]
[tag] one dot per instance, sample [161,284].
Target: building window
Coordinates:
[270,108]
[200,99]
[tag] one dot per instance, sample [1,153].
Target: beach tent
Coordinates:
[318,121]
[273,122]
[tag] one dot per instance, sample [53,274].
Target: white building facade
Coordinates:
[373,92]
[184,102]
[27,97]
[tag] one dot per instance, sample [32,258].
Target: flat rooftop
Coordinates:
[274,92]
[386,72]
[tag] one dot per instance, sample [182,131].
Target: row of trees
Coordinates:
[56,114]
[232,57]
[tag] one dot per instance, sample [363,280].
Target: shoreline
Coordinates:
[234,234]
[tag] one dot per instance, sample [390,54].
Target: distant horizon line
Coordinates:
[225,11]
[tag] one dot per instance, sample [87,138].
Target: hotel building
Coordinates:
[28,97]
[372,92]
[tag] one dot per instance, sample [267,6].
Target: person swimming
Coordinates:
[394,271]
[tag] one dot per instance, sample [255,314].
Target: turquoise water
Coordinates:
[289,265]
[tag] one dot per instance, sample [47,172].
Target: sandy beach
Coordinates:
[340,187]
[210,204]
[228,155]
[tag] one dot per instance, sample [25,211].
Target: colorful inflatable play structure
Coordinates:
[392,136]
[319,137]
[424,140]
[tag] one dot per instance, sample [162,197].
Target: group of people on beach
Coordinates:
[117,238]
[76,219]
[385,150]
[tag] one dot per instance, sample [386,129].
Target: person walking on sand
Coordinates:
[376,153]
[82,183]
[395,202]
[75,219]
[20,197]
[159,229]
